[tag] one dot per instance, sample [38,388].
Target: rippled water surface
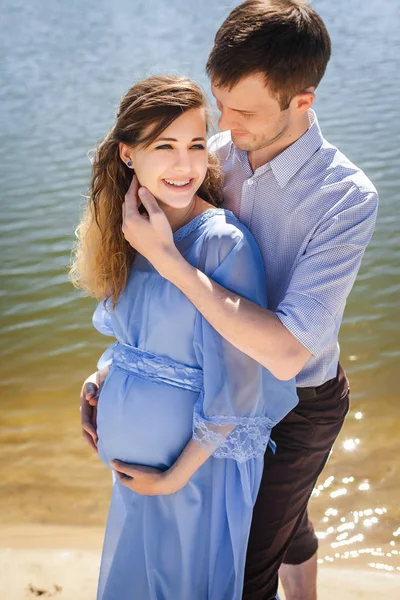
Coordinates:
[64,67]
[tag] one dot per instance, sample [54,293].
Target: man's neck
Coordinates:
[258,158]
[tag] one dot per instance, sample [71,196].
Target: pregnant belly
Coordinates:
[142,422]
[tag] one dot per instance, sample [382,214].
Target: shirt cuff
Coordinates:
[307,320]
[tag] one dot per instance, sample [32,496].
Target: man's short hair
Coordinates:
[284,40]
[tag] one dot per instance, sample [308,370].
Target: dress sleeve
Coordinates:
[102,322]
[241,401]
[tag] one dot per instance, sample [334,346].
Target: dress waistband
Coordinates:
[158,369]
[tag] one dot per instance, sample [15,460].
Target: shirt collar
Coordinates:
[289,162]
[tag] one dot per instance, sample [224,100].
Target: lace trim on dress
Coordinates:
[240,438]
[159,369]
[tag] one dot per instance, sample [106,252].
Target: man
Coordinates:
[312,213]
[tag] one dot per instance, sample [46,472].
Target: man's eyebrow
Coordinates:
[241,110]
[164,139]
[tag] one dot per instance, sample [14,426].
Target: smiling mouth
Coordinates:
[178,184]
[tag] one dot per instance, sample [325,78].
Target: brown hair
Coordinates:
[285,40]
[102,257]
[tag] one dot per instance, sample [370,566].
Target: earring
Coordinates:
[129,163]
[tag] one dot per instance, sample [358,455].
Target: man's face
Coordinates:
[251,113]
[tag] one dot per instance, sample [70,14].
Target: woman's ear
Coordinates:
[125,154]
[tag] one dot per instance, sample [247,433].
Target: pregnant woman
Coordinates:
[183,417]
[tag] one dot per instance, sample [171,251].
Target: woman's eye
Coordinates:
[246,115]
[169,147]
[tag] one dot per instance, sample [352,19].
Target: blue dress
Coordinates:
[173,378]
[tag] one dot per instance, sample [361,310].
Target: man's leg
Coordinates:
[300,581]
[299,576]
[304,440]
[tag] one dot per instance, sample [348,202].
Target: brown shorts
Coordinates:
[281,530]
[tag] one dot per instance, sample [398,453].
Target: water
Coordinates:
[64,67]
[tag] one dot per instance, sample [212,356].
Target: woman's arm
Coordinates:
[240,401]
[153,482]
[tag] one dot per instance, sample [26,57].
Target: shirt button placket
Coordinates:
[247,201]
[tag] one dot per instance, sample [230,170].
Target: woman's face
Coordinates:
[174,166]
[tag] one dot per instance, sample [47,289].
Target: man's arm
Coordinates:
[261,334]
[252,329]
[88,405]
[255,331]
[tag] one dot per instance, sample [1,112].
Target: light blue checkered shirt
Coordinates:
[312,213]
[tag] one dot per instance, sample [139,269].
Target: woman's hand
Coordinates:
[150,234]
[146,481]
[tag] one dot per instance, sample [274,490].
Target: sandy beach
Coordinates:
[62,562]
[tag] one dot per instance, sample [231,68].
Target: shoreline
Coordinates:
[62,562]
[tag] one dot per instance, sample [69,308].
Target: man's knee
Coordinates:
[304,543]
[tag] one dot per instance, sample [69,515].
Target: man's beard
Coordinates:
[263,142]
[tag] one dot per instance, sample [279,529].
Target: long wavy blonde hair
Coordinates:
[102,258]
